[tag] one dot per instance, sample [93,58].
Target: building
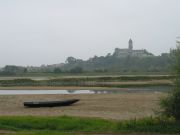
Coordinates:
[130,52]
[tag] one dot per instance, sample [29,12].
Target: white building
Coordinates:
[130,52]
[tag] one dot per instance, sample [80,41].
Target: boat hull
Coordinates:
[50,103]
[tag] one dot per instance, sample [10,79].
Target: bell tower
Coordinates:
[130,44]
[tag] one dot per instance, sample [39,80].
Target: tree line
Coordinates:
[108,63]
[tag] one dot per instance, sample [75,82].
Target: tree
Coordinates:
[12,70]
[25,70]
[171,104]
[57,70]
[70,60]
[76,70]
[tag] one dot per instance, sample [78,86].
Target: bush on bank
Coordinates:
[171,104]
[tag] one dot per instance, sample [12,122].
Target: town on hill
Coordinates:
[121,60]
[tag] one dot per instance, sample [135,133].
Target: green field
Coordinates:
[75,125]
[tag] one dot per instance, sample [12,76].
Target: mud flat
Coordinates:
[108,106]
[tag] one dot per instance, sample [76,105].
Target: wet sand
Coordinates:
[108,106]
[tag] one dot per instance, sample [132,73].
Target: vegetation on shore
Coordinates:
[72,125]
[171,104]
[106,81]
[102,64]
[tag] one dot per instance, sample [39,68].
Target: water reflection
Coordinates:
[71,91]
[106,91]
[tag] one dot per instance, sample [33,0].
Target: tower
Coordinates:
[130,44]
[178,42]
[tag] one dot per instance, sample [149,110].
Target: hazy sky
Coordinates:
[35,32]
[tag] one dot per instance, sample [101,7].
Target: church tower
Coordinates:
[130,44]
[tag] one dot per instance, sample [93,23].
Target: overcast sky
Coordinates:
[35,32]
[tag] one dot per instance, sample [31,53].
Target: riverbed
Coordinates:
[107,106]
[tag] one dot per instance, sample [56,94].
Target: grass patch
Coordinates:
[71,125]
[44,133]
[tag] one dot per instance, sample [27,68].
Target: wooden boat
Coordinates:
[36,104]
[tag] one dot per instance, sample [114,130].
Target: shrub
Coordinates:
[171,104]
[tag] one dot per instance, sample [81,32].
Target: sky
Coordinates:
[36,32]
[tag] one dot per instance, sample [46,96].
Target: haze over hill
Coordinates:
[126,60]
[46,32]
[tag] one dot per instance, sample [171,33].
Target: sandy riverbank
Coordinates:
[109,106]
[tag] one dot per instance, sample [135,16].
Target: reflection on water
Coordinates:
[127,90]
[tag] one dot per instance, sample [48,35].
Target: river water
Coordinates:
[125,90]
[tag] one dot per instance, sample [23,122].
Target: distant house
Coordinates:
[130,52]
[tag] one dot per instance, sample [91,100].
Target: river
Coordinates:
[121,90]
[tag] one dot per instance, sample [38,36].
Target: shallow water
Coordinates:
[126,90]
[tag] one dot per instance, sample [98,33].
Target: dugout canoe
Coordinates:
[35,104]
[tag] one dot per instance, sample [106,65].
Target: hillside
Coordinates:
[136,61]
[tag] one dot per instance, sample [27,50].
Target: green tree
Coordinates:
[12,70]
[57,70]
[76,70]
[171,104]
[70,60]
